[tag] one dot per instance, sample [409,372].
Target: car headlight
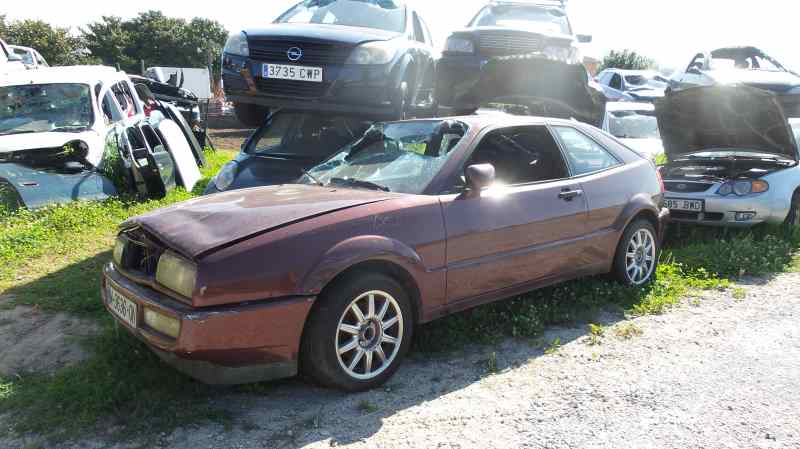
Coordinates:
[119,249]
[226,176]
[165,324]
[743,187]
[373,53]
[237,45]
[176,274]
[459,45]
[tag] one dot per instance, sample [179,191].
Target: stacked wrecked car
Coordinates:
[82,133]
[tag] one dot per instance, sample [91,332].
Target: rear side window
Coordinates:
[584,154]
[616,81]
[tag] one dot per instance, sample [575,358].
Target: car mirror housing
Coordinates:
[479,177]
[584,38]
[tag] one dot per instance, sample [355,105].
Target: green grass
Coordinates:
[52,259]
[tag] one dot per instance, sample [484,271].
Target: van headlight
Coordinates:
[459,45]
[373,53]
[177,274]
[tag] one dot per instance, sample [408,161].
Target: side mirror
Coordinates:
[584,38]
[479,177]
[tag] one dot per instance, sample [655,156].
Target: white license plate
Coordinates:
[123,308]
[292,72]
[684,205]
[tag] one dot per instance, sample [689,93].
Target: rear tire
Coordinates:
[402,102]
[357,350]
[251,115]
[636,259]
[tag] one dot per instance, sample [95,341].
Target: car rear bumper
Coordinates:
[457,79]
[729,211]
[221,345]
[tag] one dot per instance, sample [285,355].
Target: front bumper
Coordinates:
[722,211]
[365,90]
[228,345]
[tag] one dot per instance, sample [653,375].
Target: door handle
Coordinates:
[569,195]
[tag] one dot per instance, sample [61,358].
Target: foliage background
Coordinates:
[626,59]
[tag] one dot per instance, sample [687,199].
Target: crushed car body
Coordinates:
[732,157]
[80,133]
[635,125]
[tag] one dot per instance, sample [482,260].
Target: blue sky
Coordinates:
[670,31]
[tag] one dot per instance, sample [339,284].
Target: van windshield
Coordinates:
[385,15]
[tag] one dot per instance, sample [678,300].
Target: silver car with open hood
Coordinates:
[732,157]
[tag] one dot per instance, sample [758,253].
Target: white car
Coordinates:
[31,58]
[9,61]
[635,125]
[60,127]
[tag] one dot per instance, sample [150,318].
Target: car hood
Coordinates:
[776,81]
[555,38]
[646,147]
[49,140]
[333,33]
[198,227]
[740,117]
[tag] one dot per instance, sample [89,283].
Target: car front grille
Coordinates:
[687,187]
[314,53]
[696,216]
[509,43]
[291,89]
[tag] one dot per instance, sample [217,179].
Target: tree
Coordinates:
[156,39]
[57,45]
[626,59]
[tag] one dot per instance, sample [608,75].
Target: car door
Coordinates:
[601,175]
[528,228]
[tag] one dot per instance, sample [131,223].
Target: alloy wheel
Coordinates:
[369,335]
[640,257]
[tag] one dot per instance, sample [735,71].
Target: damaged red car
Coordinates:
[414,221]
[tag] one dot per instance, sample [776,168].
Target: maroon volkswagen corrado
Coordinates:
[414,221]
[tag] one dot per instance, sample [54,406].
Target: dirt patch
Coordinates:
[229,139]
[34,341]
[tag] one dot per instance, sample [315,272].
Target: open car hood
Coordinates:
[197,227]
[724,117]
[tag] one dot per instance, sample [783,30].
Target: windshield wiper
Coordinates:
[359,183]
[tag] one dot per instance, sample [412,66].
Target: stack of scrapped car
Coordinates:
[732,157]
[372,58]
[81,133]
[523,54]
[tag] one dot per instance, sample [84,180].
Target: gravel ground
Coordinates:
[717,372]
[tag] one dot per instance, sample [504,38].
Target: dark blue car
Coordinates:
[369,57]
[286,145]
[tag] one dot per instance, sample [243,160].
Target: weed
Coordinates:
[628,330]
[553,347]
[365,406]
[739,293]
[596,333]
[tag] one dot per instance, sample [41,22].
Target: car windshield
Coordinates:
[33,108]
[398,157]
[385,15]
[305,136]
[550,20]
[745,62]
[634,125]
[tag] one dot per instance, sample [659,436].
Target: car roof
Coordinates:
[548,3]
[491,118]
[70,74]
[631,72]
[613,106]
[20,47]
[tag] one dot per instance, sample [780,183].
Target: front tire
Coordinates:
[793,219]
[251,115]
[358,333]
[636,259]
